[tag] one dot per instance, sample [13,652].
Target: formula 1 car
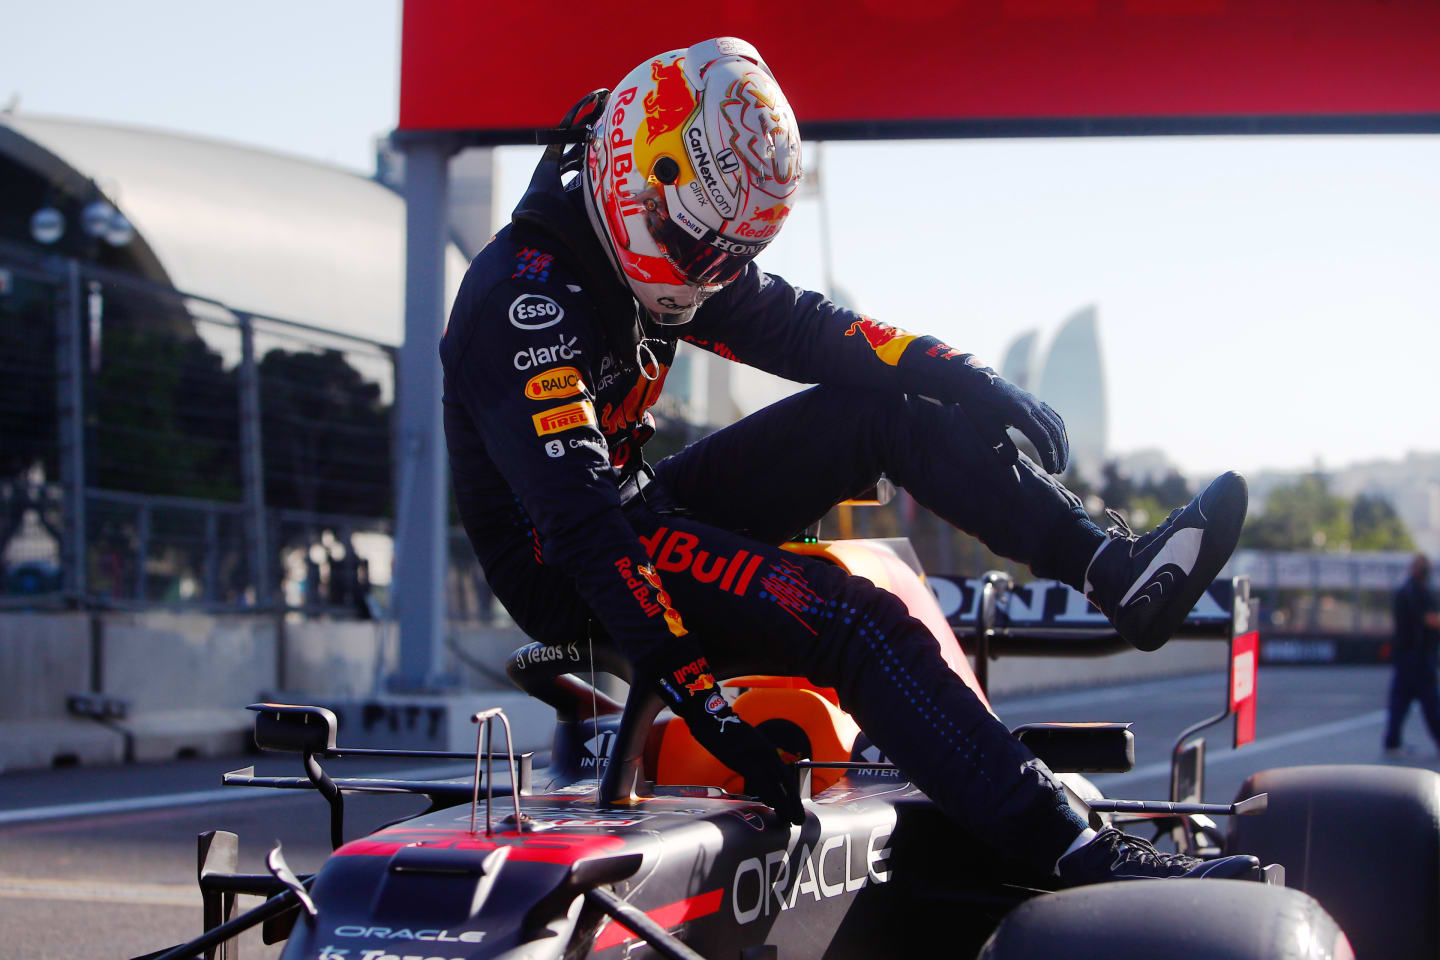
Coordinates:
[634,841]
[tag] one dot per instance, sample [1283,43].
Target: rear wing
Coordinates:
[1045,618]
[992,617]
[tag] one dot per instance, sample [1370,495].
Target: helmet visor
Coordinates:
[702,256]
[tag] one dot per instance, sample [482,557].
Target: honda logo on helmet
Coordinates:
[735,247]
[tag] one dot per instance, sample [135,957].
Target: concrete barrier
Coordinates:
[334,658]
[327,661]
[187,678]
[440,721]
[36,744]
[477,655]
[349,660]
[170,661]
[45,657]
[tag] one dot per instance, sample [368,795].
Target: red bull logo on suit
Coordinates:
[888,342]
[678,553]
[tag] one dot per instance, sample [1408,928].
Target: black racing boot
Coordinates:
[1113,855]
[1147,585]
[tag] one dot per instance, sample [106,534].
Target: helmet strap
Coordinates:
[575,126]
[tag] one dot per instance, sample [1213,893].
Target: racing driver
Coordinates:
[644,233]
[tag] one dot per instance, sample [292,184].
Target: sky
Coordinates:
[1263,302]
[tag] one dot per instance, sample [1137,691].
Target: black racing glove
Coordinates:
[688,688]
[995,404]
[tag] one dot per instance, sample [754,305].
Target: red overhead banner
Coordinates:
[892,68]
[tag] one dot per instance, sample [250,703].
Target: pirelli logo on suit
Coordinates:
[565,417]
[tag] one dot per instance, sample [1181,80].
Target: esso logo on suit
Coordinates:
[531,311]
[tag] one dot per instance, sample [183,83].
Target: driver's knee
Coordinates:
[866,625]
[870,418]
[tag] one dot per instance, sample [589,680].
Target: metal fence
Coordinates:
[1309,593]
[161,448]
[158,447]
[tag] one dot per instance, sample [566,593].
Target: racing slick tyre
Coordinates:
[1174,919]
[1362,840]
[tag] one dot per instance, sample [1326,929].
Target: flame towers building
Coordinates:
[1021,362]
[1071,379]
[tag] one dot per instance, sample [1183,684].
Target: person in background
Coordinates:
[1417,630]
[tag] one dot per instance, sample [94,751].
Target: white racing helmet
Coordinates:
[691,171]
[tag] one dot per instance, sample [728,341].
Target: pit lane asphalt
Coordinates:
[115,881]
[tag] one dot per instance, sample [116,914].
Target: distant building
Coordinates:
[1071,379]
[259,230]
[1073,382]
[1021,365]
[1149,465]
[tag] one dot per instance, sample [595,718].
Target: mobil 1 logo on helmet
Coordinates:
[531,311]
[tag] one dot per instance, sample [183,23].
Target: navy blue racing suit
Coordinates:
[549,370]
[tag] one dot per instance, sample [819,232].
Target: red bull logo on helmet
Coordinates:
[764,232]
[888,342]
[764,223]
[773,214]
[667,106]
